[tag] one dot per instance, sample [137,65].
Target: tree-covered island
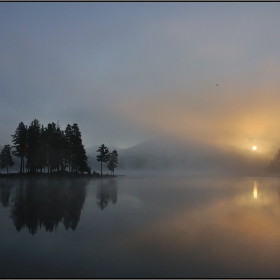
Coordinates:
[45,150]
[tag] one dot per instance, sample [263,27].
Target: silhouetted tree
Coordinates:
[6,158]
[103,155]
[55,147]
[275,163]
[68,147]
[82,159]
[77,151]
[113,161]
[50,147]
[33,145]
[43,149]
[20,144]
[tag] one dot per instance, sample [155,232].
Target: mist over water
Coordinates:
[141,226]
[182,91]
[168,155]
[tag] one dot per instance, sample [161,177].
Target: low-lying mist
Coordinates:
[165,155]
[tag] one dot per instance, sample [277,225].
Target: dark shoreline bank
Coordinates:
[56,175]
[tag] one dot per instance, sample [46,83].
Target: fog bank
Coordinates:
[166,155]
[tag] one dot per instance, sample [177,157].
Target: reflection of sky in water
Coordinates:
[156,227]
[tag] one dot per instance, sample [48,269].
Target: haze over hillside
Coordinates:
[169,155]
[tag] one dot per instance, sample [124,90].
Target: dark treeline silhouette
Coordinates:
[44,203]
[49,149]
[274,165]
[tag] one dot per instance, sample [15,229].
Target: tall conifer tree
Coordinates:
[33,145]
[113,161]
[20,143]
[6,158]
[103,155]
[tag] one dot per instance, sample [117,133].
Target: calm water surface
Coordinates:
[138,226]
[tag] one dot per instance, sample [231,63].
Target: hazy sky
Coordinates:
[126,72]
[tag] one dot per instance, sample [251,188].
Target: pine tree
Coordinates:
[113,161]
[33,145]
[51,153]
[6,158]
[79,158]
[73,151]
[275,163]
[82,159]
[58,148]
[68,147]
[50,146]
[20,144]
[103,155]
[42,152]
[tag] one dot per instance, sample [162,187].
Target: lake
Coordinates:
[140,227]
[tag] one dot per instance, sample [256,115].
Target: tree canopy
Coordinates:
[20,143]
[113,161]
[103,155]
[6,158]
[50,148]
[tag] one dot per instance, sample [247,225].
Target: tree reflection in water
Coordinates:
[5,190]
[44,203]
[106,192]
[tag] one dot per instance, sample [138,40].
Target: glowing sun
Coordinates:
[254,148]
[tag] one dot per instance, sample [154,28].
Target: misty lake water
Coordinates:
[140,226]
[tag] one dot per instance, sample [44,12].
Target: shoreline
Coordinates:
[57,175]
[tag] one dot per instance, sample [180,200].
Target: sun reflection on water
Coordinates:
[255,191]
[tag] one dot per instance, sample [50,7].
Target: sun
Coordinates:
[254,148]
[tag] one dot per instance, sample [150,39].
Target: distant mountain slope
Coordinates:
[168,155]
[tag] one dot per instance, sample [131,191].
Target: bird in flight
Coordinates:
[216,84]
